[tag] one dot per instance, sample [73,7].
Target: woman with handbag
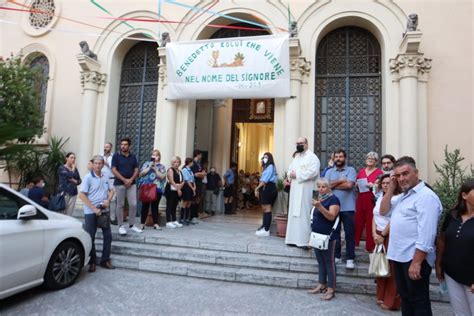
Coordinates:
[455,252]
[69,179]
[173,192]
[325,220]
[267,192]
[152,177]
[387,296]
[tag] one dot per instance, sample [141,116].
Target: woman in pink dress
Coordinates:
[366,200]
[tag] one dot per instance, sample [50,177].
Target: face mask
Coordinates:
[42,185]
[299,148]
[265,160]
[213,171]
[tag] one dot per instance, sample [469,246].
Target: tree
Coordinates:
[19,99]
[451,176]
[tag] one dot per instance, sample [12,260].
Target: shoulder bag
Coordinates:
[321,241]
[147,193]
[58,202]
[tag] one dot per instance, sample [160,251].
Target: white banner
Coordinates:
[237,68]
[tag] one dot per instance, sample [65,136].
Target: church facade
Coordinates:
[387,76]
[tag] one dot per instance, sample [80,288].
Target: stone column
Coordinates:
[165,123]
[92,82]
[410,69]
[292,104]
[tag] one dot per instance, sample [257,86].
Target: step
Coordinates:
[346,284]
[257,261]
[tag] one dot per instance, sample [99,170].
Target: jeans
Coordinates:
[347,219]
[326,265]
[211,201]
[131,194]
[91,228]
[154,209]
[415,294]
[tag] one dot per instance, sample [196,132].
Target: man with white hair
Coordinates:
[302,174]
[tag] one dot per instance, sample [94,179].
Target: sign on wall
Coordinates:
[237,68]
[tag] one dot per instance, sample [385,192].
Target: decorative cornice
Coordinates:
[406,65]
[93,80]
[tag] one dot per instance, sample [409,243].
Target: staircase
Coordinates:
[223,248]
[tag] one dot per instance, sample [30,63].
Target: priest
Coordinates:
[302,174]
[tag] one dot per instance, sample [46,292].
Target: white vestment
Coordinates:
[306,166]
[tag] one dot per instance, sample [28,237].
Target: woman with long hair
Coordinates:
[267,192]
[455,252]
[69,179]
[152,171]
[387,296]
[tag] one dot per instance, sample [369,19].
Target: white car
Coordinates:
[38,246]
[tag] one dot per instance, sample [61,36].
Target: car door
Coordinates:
[21,243]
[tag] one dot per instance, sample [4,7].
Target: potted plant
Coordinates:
[281,219]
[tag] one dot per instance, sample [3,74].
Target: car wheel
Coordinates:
[64,266]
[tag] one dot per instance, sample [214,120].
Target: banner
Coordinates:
[237,68]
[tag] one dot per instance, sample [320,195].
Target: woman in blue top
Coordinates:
[152,171]
[69,179]
[325,213]
[267,192]
[189,191]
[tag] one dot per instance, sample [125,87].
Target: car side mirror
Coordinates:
[26,212]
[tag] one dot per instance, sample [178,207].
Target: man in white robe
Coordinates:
[302,172]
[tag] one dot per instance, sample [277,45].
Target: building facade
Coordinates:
[360,78]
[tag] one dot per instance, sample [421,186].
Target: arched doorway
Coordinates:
[137,98]
[348,94]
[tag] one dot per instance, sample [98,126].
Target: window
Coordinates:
[42,13]
[41,63]
[9,205]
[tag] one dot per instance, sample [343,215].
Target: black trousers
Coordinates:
[172,201]
[154,209]
[415,295]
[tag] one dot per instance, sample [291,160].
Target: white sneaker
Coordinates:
[337,260]
[178,225]
[136,229]
[262,233]
[350,264]
[170,225]
[122,230]
[195,221]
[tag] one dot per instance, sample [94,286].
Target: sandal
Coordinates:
[319,289]
[329,295]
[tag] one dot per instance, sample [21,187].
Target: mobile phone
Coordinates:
[152,159]
[315,194]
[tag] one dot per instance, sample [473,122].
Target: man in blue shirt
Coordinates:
[125,170]
[413,228]
[342,179]
[96,194]
[229,191]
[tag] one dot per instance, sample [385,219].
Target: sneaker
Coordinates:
[142,226]
[170,225]
[350,264]
[178,225]
[262,233]
[195,221]
[157,227]
[136,229]
[122,230]
[337,260]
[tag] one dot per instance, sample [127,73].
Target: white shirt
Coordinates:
[381,221]
[107,168]
[414,224]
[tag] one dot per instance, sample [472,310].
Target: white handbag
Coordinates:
[379,265]
[321,241]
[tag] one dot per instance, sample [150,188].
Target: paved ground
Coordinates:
[125,292]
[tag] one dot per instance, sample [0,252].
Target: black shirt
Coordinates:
[458,258]
[125,165]
[212,181]
[195,169]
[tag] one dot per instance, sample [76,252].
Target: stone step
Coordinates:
[236,259]
[289,279]
[272,247]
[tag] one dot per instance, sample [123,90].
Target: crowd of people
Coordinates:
[391,204]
